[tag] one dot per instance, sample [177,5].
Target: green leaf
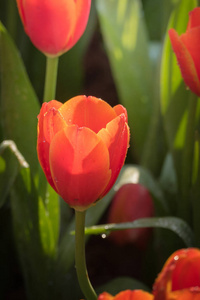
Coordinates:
[36,260]
[174,97]
[172,223]
[49,221]
[125,38]
[11,161]
[157,15]
[19,106]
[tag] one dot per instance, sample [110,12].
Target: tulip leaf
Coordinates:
[19,106]
[37,261]
[126,43]
[11,161]
[49,221]
[174,96]
[177,225]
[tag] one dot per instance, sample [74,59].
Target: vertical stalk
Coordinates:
[50,78]
[187,161]
[81,269]
[196,192]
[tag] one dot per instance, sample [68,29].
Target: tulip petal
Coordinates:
[181,261]
[80,21]
[44,136]
[119,109]
[89,112]
[48,23]
[194,18]
[191,41]
[79,163]
[127,295]
[105,296]
[186,62]
[116,138]
[189,294]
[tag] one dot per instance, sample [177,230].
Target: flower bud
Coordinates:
[131,202]
[54,26]
[179,278]
[82,145]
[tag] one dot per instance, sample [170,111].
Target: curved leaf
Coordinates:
[177,225]
[126,42]
[19,106]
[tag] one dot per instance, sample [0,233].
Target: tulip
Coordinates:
[131,202]
[127,295]
[54,26]
[180,277]
[82,145]
[187,49]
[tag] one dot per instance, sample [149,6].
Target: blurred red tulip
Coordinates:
[82,145]
[54,26]
[127,295]
[131,202]
[180,277]
[187,49]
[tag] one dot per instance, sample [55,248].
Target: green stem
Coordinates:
[187,161]
[50,78]
[196,191]
[81,269]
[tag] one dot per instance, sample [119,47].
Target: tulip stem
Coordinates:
[81,269]
[187,161]
[50,78]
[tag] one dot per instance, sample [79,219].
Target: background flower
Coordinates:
[131,202]
[54,26]
[187,48]
[180,276]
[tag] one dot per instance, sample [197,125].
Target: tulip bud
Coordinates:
[131,202]
[54,26]
[186,48]
[179,278]
[82,145]
[127,295]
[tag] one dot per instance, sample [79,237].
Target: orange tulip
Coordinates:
[187,49]
[127,295]
[82,145]
[54,26]
[131,202]
[180,277]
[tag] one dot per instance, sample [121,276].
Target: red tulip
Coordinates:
[127,295]
[180,277]
[187,49]
[131,202]
[82,145]
[54,26]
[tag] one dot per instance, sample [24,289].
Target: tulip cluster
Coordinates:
[187,49]
[178,280]
[82,145]
[54,26]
